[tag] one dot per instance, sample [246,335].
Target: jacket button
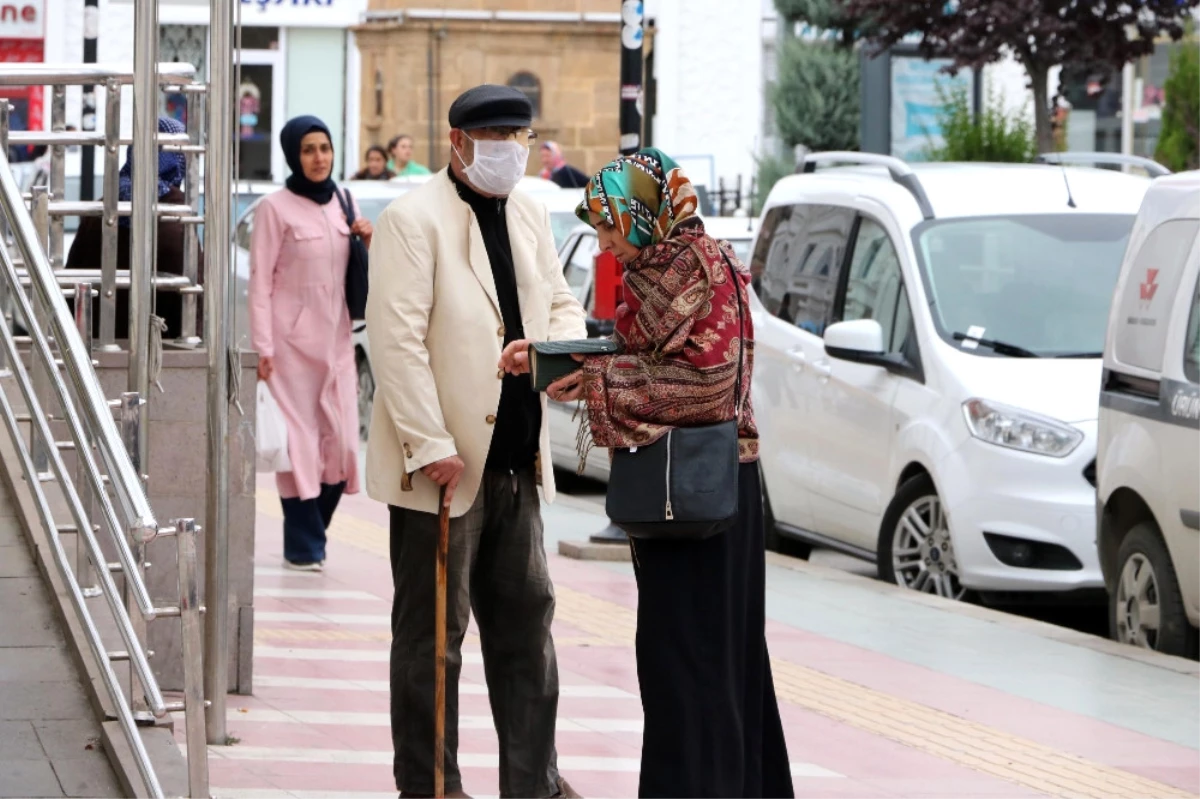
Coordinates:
[490,419]
[500,331]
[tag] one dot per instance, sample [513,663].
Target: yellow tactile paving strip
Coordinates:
[976,746]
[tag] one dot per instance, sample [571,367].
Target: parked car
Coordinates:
[927,366]
[1148,458]
[578,255]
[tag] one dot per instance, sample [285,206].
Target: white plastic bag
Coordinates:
[272,437]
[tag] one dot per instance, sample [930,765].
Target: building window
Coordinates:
[528,84]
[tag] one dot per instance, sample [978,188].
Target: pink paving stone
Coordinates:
[875,767]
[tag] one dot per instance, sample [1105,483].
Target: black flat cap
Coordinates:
[491,106]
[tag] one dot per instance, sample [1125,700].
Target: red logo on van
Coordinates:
[1150,286]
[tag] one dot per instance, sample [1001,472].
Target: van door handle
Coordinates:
[798,358]
[823,368]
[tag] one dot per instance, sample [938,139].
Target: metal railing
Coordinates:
[60,348]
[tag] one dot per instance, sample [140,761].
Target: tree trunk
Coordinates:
[1039,80]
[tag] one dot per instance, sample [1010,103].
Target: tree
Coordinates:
[1179,140]
[995,136]
[816,97]
[828,15]
[1040,34]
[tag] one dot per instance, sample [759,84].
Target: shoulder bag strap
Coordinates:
[347,206]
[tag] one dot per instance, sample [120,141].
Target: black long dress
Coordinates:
[712,725]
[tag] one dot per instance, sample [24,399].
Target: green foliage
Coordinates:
[770,170]
[824,14]
[816,98]
[995,136]
[1179,140]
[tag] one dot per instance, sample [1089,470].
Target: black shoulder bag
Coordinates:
[357,281]
[684,486]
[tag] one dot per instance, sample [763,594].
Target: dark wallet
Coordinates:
[551,360]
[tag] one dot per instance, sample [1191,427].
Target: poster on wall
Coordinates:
[916,104]
[26,101]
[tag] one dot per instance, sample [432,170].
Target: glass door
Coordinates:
[258,117]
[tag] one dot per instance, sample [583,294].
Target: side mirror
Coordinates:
[850,341]
[861,341]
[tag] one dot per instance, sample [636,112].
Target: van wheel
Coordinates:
[1146,605]
[775,540]
[915,550]
[366,395]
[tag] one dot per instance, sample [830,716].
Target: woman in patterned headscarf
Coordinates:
[85,249]
[712,725]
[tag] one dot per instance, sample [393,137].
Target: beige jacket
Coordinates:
[434,323]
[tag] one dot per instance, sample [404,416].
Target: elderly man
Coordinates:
[463,273]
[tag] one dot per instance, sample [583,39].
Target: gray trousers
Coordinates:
[497,568]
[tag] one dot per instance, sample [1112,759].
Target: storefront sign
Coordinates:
[22,19]
[271,13]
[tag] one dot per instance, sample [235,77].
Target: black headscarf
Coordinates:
[293,133]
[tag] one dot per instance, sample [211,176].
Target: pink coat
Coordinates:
[298,317]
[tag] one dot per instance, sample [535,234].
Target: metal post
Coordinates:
[58,172]
[5,228]
[133,437]
[631,76]
[191,188]
[1128,106]
[39,367]
[108,227]
[193,658]
[87,168]
[217,243]
[83,572]
[144,227]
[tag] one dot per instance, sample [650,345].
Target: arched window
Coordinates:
[528,84]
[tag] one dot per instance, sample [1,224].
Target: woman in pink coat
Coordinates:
[299,249]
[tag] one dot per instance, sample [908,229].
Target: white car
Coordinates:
[1148,459]
[927,365]
[578,255]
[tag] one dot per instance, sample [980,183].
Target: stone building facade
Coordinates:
[564,54]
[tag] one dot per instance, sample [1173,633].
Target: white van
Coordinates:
[1148,460]
[927,365]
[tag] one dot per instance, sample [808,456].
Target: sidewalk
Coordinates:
[884,693]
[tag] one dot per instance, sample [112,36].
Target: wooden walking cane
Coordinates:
[439,689]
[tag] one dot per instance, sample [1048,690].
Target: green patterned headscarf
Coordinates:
[644,196]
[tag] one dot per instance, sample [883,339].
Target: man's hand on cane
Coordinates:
[446,472]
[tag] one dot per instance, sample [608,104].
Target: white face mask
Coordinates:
[498,166]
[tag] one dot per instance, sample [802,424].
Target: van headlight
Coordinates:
[1021,430]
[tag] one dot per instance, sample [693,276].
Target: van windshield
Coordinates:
[1040,285]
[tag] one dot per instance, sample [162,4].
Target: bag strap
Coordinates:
[737,292]
[347,206]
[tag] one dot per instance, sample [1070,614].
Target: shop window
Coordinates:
[256,38]
[182,44]
[528,84]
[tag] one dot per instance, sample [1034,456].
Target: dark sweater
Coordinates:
[85,254]
[519,417]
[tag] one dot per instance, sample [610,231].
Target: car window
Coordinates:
[1039,283]
[799,256]
[244,229]
[1148,294]
[875,283]
[578,269]
[1191,345]
[561,225]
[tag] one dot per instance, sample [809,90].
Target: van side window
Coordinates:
[802,249]
[1149,289]
[1191,344]
[875,285]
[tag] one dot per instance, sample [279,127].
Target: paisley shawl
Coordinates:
[681,339]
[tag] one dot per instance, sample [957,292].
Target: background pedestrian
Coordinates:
[300,326]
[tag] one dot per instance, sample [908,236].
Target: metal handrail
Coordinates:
[138,517]
[94,427]
[900,172]
[87,75]
[1152,167]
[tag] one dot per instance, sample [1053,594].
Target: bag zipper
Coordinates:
[670,515]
